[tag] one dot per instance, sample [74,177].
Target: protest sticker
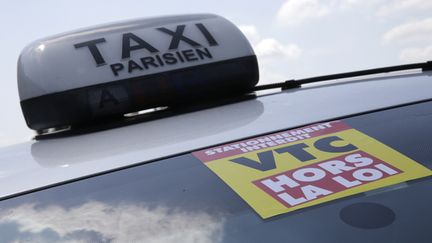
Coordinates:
[293,169]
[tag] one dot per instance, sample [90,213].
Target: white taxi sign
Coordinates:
[147,59]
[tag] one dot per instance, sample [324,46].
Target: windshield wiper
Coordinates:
[295,83]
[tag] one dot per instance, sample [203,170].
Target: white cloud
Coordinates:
[352,4]
[271,48]
[416,54]
[420,30]
[251,33]
[397,6]
[123,223]
[294,12]
[270,53]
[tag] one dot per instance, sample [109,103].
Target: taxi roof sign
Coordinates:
[114,69]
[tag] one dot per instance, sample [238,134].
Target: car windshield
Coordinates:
[179,199]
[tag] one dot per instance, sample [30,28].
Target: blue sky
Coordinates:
[292,38]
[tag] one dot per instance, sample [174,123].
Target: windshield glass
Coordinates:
[178,199]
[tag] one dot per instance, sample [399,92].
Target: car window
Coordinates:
[178,199]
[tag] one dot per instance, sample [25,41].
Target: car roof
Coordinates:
[38,164]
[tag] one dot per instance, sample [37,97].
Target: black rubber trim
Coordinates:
[296,83]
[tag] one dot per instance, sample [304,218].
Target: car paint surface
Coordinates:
[37,164]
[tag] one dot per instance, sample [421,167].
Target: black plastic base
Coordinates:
[174,88]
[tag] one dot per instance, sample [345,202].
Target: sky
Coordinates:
[292,38]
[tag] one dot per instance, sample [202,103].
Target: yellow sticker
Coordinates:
[294,169]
